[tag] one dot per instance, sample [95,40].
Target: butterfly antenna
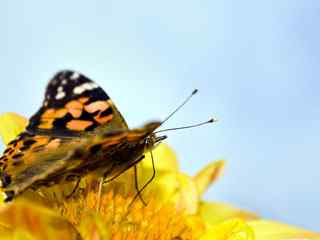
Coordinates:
[180,106]
[212,120]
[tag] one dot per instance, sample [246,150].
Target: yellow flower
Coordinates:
[270,230]
[175,208]
[11,125]
[24,220]
[231,230]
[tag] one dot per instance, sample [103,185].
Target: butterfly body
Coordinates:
[78,130]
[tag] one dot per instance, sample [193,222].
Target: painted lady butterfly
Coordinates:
[78,130]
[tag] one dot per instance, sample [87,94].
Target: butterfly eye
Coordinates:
[150,140]
[153,139]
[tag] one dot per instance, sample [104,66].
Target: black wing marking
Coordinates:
[69,85]
[74,103]
[40,170]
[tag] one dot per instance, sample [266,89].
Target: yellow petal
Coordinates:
[36,221]
[229,230]
[162,188]
[168,184]
[11,125]
[186,196]
[208,175]
[213,212]
[164,159]
[174,188]
[269,230]
[197,225]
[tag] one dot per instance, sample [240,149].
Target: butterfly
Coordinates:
[78,130]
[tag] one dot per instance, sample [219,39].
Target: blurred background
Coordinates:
[256,64]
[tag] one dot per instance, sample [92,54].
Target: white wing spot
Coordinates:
[64,82]
[75,76]
[93,86]
[60,89]
[83,87]
[79,89]
[60,95]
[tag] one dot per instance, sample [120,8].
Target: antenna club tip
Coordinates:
[212,120]
[195,91]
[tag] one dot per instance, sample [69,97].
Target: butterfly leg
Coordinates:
[105,175]
[137,185]
[75,188]
[99,193]
[139,191]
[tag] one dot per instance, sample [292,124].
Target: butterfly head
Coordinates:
[153,140]
[148,136]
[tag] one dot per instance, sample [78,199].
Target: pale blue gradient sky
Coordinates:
[255,62]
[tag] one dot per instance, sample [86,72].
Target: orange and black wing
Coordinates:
[75,104]
[107,154]
[74,107]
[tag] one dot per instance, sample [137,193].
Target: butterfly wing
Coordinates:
[109,154]
[75,104]
[26,176]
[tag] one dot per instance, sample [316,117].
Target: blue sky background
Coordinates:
[256,64]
